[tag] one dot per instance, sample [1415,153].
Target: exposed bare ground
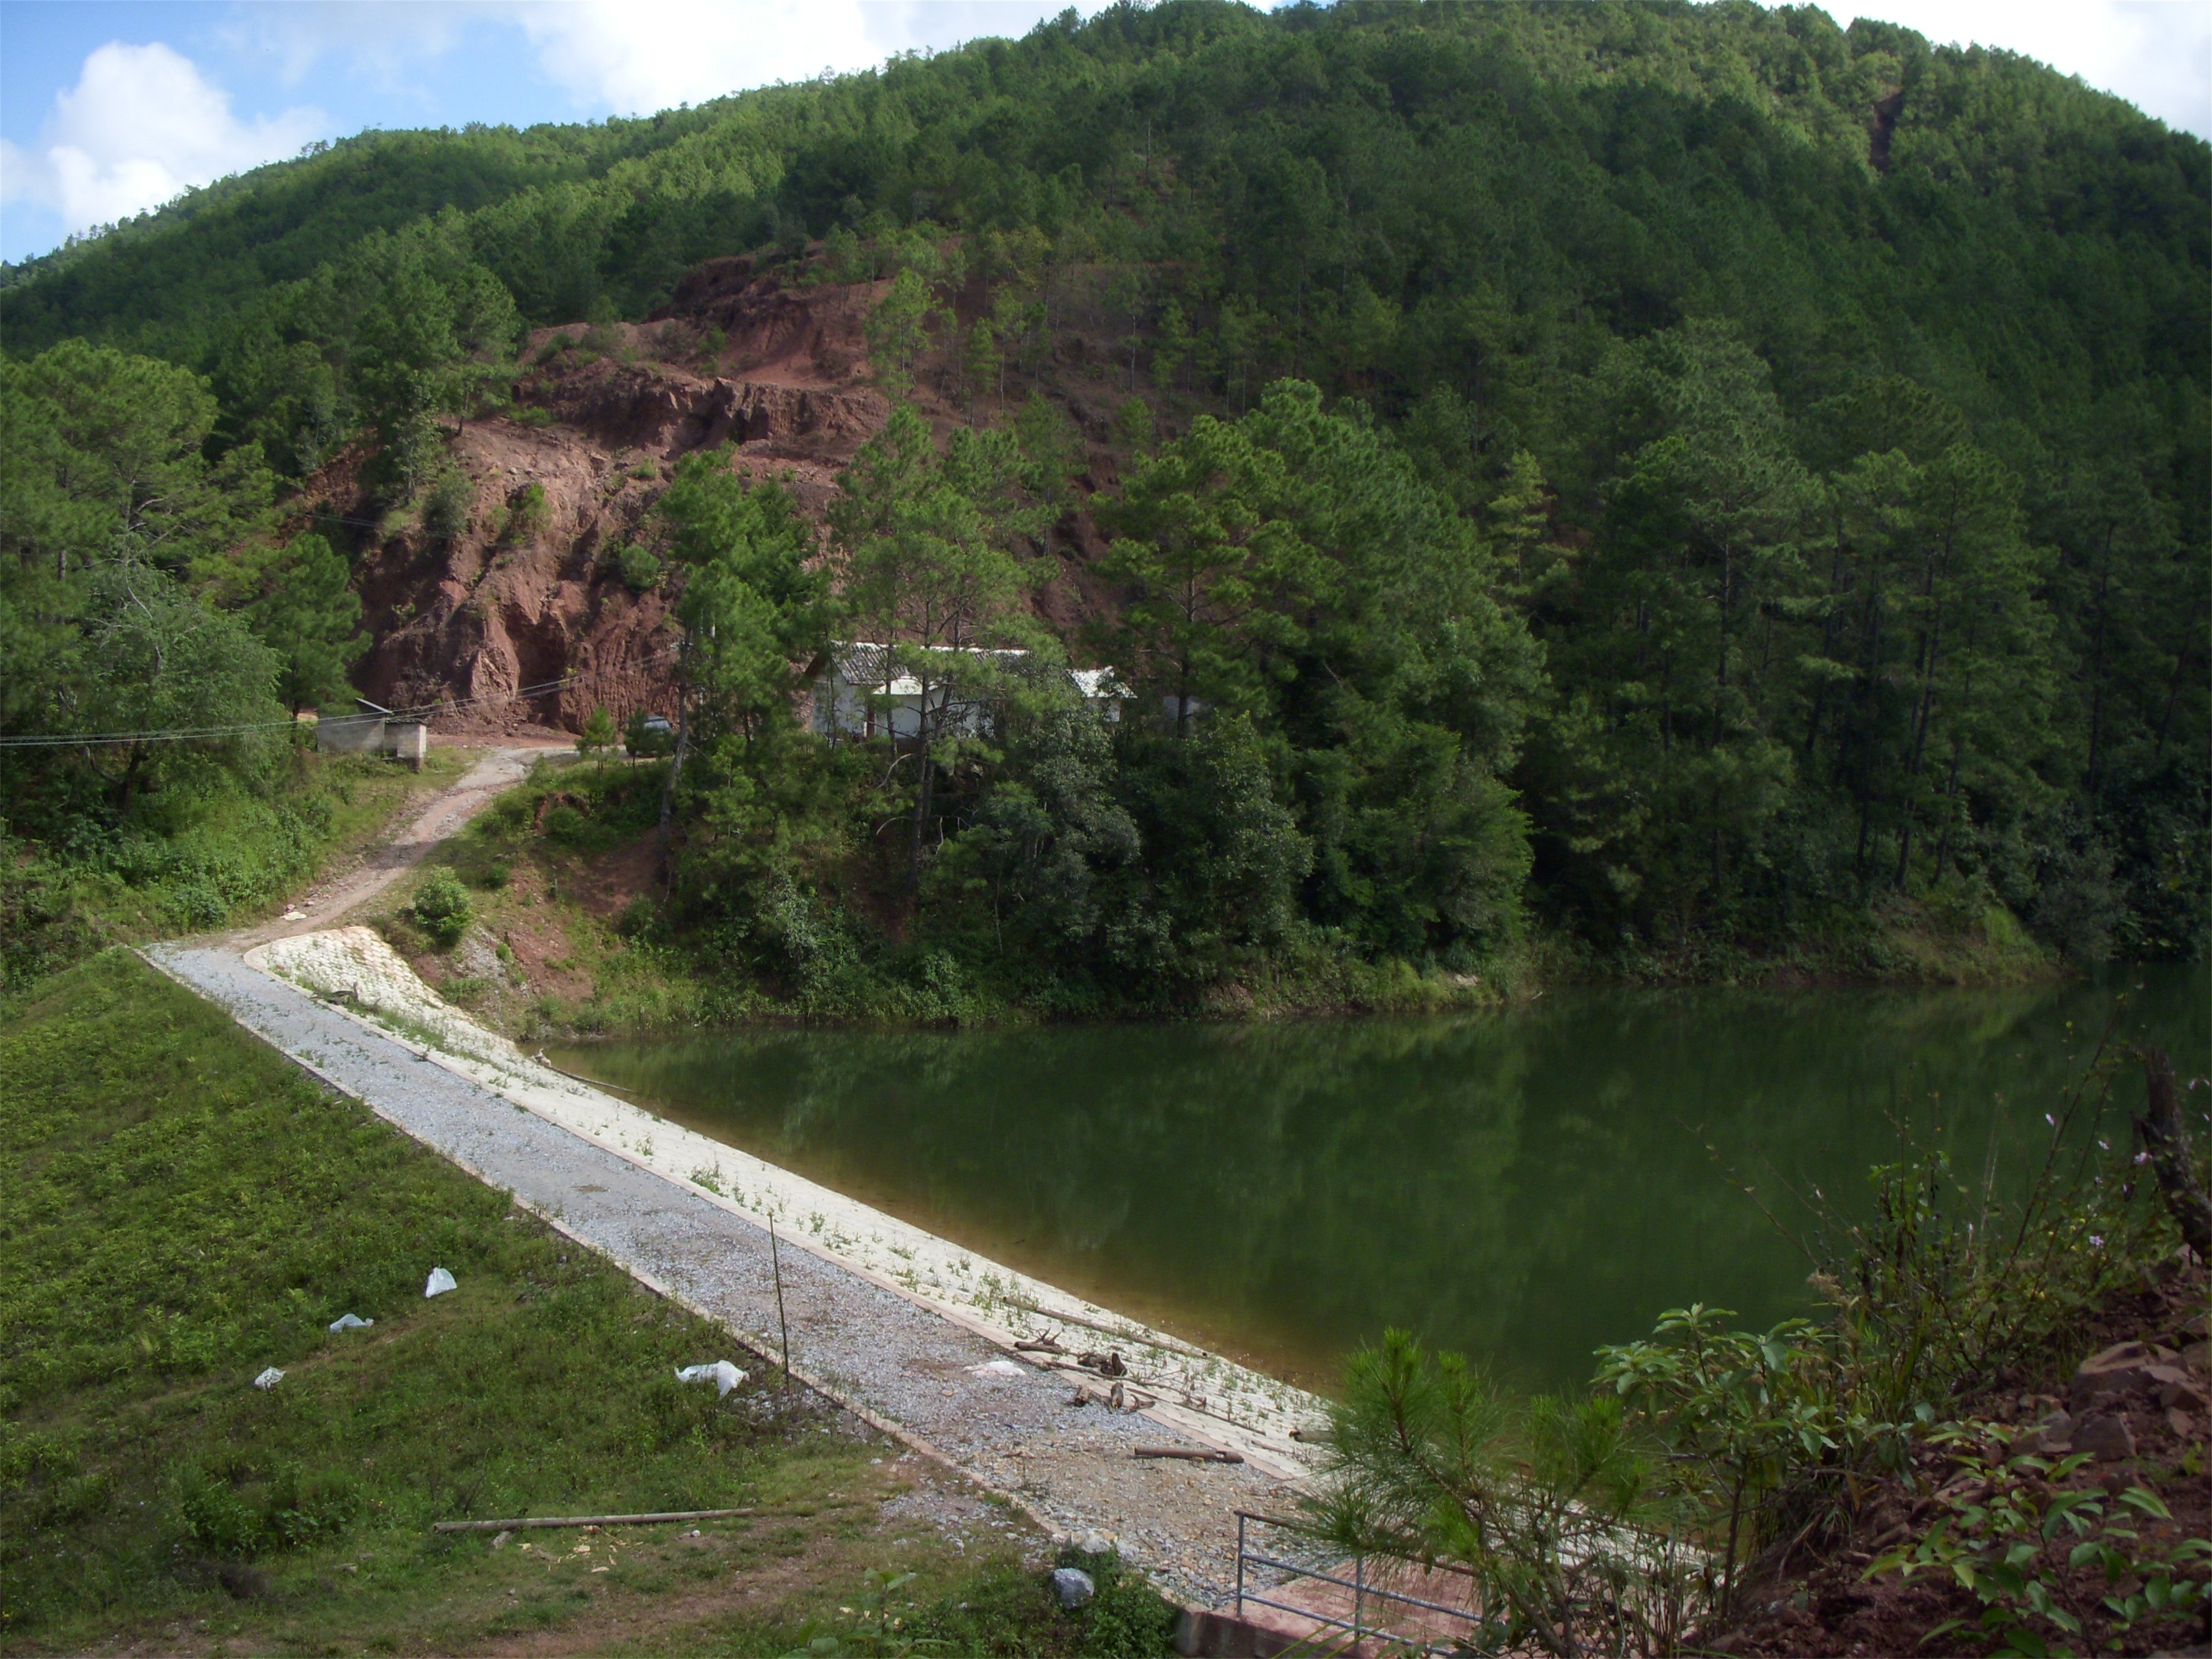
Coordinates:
[445,814]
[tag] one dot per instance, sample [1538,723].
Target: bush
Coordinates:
[564,824]
[527,514]
[1133,425]
[598,733]
[446,509]
[639,567]
[443,907]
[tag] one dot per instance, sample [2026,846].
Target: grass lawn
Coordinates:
[180,1207]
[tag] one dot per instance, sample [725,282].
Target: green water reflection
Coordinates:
[1523,1185]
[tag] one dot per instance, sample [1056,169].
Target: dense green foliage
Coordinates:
[139,594]
[1708,479]
[184,1208]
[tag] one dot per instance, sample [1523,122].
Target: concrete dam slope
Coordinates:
[911,1332]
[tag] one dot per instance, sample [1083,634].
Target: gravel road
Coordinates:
[910,1370]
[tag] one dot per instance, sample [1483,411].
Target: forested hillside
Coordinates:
[1692,481]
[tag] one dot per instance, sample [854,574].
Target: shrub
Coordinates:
[443,907]
[526,515]
[446,509]
[639,567]
[598,733]
[1133,425]
[1547,1501]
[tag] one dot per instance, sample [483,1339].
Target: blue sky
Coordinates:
[110,106]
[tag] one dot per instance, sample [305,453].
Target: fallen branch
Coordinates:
[586,1520]
[1187,1453]
[1122,1332]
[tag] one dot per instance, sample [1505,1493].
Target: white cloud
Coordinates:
[377,35]
[141,124]
[2157,54]
[610,54]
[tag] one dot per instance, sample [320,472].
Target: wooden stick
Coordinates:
[782,1330]
[1172,1345]
[586,1520]
[1187,1453]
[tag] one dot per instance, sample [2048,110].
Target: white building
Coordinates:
[862,691]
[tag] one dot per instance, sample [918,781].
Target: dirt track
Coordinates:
[444,815]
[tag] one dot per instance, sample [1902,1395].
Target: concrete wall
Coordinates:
[373,734]
[350,734]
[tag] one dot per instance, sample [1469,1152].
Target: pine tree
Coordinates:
[312,619]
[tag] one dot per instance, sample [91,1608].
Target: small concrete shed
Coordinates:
[374,730]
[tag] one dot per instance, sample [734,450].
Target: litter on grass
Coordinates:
[722,1374]
[350,1323]
[440,1282]
[269,1379]
[999,1368]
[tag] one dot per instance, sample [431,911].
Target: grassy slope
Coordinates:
[180,1207]
[227,855]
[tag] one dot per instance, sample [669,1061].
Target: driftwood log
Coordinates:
[586,1521]
[2164,1137]
[1187,1453]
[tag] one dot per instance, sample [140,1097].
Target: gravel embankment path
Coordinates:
[895,1362]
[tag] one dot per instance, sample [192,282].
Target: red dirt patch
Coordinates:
[606,885]
[1833,1609]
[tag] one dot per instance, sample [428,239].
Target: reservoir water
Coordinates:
[1522,1185]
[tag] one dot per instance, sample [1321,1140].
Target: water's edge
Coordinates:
[1203,1395]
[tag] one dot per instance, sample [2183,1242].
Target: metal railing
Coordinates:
[1366,1590]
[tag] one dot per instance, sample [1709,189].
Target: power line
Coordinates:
[182,734]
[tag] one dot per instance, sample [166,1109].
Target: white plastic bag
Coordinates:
[722,1374]
[999,1368]
[440,1282]
[268,1379]
[350,1323]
